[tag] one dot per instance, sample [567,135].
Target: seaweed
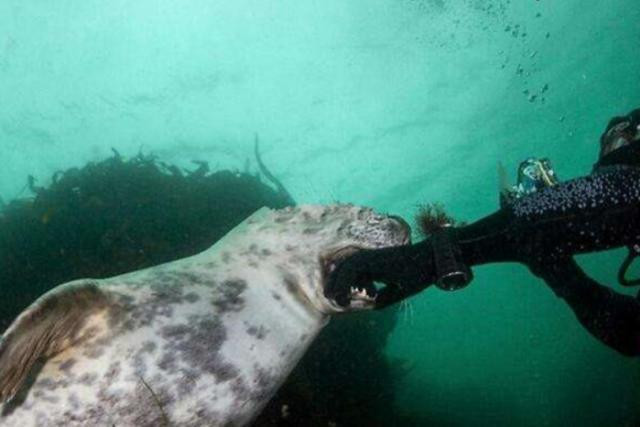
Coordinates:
[432,216]
[118,215]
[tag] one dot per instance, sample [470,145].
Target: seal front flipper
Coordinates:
[51,324]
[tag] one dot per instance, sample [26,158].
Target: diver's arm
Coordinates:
[587,214]
[610,317]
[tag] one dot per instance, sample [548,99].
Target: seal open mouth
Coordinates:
[364,291]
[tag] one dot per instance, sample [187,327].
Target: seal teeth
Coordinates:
[360,293]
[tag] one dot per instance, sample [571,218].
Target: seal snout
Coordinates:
[399,227]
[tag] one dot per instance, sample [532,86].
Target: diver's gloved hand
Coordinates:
[405,271]
[351,273]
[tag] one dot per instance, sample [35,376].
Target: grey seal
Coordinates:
[201,341]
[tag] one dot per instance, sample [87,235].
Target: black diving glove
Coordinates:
[405,271]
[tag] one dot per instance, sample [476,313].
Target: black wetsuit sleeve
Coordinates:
[587,214]
[611,317]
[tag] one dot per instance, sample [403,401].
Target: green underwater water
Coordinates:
[385,103]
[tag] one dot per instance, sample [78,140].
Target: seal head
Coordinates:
[316,238]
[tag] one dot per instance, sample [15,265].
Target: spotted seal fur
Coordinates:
[202,341]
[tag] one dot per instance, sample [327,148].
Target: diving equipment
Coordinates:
[533,175]
[451,272]
[634,252]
